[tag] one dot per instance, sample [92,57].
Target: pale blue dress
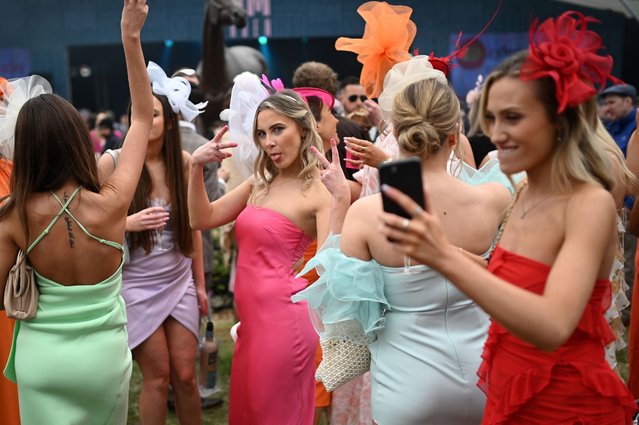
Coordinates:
[428,336]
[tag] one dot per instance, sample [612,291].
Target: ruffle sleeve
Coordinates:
[489,173]
[348,289]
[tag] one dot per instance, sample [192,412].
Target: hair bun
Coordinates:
[425,113]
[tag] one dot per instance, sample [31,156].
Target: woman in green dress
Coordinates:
[71,362]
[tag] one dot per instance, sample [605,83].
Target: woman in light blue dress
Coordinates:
[428,335]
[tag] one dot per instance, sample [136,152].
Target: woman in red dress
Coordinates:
[547,284]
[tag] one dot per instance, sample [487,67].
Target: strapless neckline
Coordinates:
[279,214]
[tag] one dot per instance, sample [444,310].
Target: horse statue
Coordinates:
[220,63]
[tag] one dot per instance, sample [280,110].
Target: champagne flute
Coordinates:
[159,202]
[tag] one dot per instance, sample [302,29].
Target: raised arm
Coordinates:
[120,186]
[330,215]
[202,213]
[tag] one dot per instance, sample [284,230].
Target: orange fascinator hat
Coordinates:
[387,38]
[3,84]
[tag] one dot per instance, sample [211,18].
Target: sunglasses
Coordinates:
[353,98]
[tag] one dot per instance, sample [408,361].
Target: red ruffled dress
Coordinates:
[572,385]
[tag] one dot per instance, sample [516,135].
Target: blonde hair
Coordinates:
[289,104]
[578,153]
[424,115]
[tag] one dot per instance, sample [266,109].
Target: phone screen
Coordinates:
[404,175]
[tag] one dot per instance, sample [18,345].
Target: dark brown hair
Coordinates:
[52,146]
[315,74]
[174,175]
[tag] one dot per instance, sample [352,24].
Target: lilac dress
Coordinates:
[156,286]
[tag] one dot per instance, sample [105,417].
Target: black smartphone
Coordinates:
[404,175]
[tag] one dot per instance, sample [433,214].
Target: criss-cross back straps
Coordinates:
[64,209]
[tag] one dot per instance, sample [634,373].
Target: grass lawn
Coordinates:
[219,415]
[212,416]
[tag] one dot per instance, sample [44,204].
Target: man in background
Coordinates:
[617,109]
[322,76]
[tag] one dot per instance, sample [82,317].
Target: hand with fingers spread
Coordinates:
[332,174]
[147,219]
[364,152]
[421,237]
[213,150]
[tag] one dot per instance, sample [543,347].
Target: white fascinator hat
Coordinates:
[15,94]
[403,74]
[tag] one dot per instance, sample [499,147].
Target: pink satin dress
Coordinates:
[273,370]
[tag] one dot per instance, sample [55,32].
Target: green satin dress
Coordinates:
[71,362]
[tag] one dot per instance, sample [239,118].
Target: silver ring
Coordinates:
[405,223]
[418,210]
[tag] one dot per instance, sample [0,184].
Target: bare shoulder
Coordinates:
[590,202]
[365,207]
[496,195]
[363,213]
[10,226]
[318,192]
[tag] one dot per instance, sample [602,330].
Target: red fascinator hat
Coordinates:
[566,51]
[444,64]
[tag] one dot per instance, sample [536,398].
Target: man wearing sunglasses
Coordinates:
[351,95]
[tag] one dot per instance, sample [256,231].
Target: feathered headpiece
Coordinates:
[387,38]
[15,93]
[176,90]
[445,63]
[404,74]
[246,95]
[566,51]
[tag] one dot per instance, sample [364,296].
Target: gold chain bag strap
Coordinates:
[21,292]
[502,225]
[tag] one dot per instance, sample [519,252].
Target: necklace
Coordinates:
[525,212]
[282,183]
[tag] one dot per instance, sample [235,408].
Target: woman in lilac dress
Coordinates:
[163,278]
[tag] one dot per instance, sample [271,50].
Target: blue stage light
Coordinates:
[168,43]
[262,39]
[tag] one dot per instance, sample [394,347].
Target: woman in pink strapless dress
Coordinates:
[295,196]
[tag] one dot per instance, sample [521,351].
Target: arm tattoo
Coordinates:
[67,219]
